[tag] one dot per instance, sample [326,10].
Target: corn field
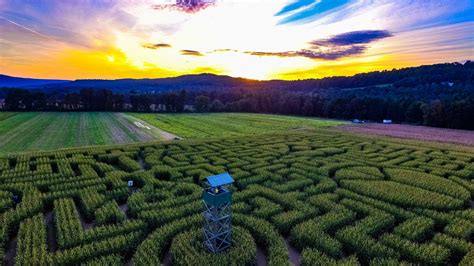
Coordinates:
[335,198]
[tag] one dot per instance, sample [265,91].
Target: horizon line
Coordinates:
[235,77]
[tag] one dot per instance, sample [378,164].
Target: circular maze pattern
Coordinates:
[303,197]
[187,249]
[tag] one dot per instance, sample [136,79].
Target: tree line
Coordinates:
[449,107]
[438,105]
[93,100]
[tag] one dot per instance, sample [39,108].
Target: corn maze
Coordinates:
[309,198]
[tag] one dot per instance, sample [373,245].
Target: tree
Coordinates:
[181,101]
[15,99]
[39,101]
[72,101]
[433,114]
[308,107]
[201,104]
[414,114]
[19,99]
[290,104]
[247,105]
[119,102]
[460,114]
[169,100]
[217,106]
[140,103]
[87,99]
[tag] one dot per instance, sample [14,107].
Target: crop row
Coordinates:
[337,200]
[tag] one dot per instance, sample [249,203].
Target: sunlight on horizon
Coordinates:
[251,39]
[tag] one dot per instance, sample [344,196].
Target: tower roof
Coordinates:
[220,180]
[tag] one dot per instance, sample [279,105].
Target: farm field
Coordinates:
[454,136]
[230,124]
[21,132]
[319,197]
[6,115]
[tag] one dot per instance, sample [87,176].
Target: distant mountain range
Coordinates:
[190,82]
[408,77]
[8,81]
[194,82]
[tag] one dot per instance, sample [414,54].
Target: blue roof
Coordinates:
[220,180]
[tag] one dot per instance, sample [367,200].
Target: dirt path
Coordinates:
[51,238]
[293,254]
[142,125]
[261,257]
[166,260]
[124,208]
[117,129]
[129,262]
[132,130]
[141,161]
[85,225]
[454,136]
[9,258]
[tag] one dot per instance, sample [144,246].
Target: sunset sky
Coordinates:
[260,39]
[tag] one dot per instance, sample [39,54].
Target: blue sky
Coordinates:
[262,39]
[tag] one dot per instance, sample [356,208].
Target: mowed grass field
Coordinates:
[33,131]
[230,124]
[4,116]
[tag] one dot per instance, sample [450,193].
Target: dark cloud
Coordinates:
[156,45]
[354,37]
[188,6]
[332,54]
[339,46]
[317,54]
[191,52]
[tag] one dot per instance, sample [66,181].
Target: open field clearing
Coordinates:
[230,124]
[317,197]
[45,131]
[453,136]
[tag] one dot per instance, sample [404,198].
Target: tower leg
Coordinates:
[217,231]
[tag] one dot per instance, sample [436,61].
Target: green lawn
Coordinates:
[229,124]
[44,131]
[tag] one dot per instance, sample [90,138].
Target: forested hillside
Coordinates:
[438,95]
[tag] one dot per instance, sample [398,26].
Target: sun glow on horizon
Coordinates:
[264,39]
